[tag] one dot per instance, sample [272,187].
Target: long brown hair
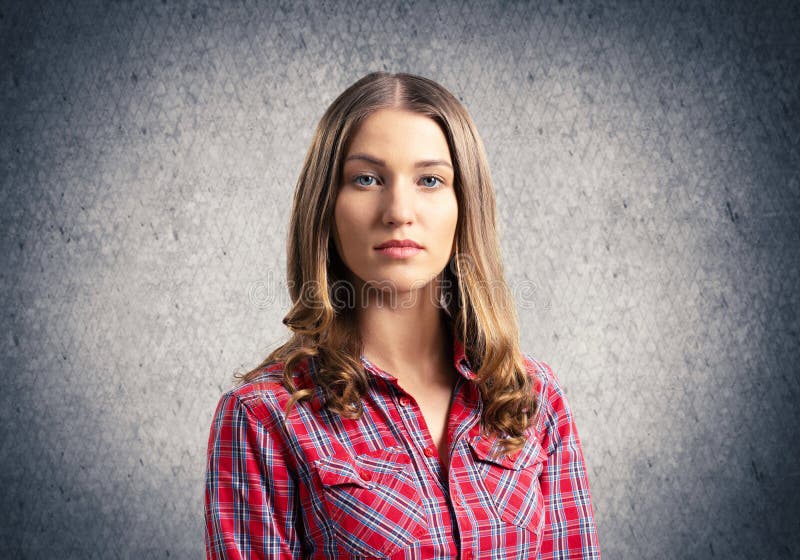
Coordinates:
[481,307]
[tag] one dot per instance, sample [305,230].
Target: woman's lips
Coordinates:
[399,252]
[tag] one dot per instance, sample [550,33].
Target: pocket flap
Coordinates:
[361,470]
[484,446]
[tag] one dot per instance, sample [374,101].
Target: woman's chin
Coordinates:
[398,286]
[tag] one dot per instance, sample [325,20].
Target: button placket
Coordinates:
[417,434]
[405,402]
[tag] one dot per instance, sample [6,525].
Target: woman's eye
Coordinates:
[363,177]
[430,181]
[434,179]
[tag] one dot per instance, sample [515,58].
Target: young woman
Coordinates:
[401,419]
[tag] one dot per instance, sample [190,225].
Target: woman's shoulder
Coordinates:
[540,372]
[264,393]
[546,384]
[269,378]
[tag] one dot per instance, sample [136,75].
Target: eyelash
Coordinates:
[441,181]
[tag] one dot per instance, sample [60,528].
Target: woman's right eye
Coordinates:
[363,177]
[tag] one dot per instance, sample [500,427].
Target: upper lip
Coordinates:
[399,243]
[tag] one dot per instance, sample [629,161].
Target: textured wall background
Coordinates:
[648,178]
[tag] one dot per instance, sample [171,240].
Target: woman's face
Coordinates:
[397,184]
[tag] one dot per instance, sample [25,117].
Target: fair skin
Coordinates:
[397,183]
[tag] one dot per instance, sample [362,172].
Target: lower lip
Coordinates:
[399,252]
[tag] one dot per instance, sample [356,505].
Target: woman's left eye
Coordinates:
[368,177]
[434,178]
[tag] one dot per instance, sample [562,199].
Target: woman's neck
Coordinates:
[412,342]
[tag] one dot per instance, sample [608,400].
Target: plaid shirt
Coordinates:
[320,486]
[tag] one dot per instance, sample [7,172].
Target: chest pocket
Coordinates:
[513,482]
[372,501]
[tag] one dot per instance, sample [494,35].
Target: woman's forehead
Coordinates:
[391,135]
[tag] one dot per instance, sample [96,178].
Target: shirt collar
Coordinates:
[460,362]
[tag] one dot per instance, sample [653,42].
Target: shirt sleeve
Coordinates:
[570,532]
[249,493]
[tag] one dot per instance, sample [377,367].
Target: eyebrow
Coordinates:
[423,163]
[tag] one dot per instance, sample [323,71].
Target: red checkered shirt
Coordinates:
[320,486]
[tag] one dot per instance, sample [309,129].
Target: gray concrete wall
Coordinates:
[648,179]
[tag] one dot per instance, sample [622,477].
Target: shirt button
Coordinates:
[403,401]
[467,554]
[430,452]
[365,475]
[457,501]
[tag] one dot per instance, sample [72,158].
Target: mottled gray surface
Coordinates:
[648,178]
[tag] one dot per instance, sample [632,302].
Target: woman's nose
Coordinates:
[399,203]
